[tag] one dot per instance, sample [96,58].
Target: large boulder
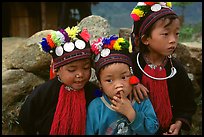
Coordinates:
[97,26]
[16,85]
[28,56]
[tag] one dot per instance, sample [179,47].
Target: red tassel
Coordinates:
[52,74]
[158,95]
[70,114]
[134,80]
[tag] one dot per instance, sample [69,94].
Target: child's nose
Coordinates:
[79,74]
[172,39]
[118,85]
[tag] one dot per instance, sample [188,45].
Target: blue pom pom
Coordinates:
[106,41]
[113,37]
[45,45]
[98,93]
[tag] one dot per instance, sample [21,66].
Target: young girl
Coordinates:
[156,32]
[114,113]
[58,107]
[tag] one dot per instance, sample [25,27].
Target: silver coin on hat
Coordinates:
[59,50]
[69,46]
[156,7]
[141,4]
[80,44]
[105,52]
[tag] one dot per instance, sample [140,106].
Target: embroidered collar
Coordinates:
[107,102]
[153,66]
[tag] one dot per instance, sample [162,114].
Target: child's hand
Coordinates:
[139,92]
[174,128]
[123,106]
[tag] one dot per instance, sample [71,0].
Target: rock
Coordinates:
[28,56]
[96,25]
[125,33]
[16,85]
[192,64]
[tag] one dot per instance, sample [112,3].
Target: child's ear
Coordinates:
[100,86]
[145,40]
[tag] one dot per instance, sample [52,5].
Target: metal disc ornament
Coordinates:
[156,7]
[105,52]
[80,44]
[69,46]
[59,50]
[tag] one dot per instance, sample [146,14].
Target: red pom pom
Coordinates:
[134,80]
[150,3]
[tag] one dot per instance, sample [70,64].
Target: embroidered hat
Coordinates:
[67,45]
[145,14]
[110,50]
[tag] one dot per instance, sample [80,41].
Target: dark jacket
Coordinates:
[38,110]
[181,91]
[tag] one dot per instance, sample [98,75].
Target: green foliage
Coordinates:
[188,32]
[181,4]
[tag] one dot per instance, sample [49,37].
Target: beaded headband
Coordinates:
[67,45]
[110,50]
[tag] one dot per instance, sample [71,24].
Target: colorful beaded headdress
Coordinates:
[110,50]
[146,13]
[67,45]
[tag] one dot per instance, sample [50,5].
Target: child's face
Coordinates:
[114,79]
[76,74]
[164,38]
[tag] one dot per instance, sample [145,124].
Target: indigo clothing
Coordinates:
[180,88]
[103,120]
[36,114]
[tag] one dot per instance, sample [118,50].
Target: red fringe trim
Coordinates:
[70,114]
[158,95]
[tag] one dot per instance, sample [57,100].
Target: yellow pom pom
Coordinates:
[73,32]
[169,4]
[138,12]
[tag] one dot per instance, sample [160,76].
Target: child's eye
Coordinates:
[109,80]
[177,34]
[86,68]
[125,77]
[71,70]
[165,34]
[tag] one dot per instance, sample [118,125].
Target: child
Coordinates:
[58,107]
[114,113]
[156,32]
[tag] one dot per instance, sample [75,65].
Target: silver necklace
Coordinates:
[68,88]
[173,71]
